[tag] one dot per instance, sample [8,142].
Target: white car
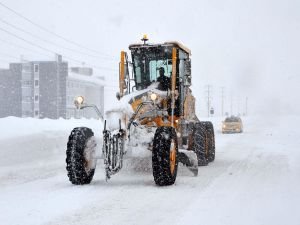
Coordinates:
[232,124]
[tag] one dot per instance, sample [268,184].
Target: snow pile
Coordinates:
[13,127]
[90,79]
[122,108]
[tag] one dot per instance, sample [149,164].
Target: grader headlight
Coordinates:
[153,96]
[78,101]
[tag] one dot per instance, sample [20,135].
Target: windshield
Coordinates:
[148,61]
[232,119]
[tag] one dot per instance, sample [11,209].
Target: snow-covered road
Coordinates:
[255,179]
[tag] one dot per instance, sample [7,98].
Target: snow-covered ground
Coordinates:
[255,179]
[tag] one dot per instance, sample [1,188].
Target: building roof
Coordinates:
[94,80]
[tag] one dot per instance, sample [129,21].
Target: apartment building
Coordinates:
[34,89]
[46,89]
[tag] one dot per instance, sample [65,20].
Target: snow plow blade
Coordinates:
[189,159]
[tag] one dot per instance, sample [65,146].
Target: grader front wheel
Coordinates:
[165,156]
[81,162]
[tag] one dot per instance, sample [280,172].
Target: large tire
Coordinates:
[210,141]
[165,156]
[199,143]
[80,160]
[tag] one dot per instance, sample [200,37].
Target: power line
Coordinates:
[10,56]
[53,43]
[27,49]
[4,61]
[51,32]
[28,42]
[34,51]
[48,50]
[7,55]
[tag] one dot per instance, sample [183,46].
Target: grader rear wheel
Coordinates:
[199,138]
[165,156]
[210,141]
[204,142]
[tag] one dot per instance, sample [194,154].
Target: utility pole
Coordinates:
[231,104]
[222,96]
[208,96]
[238,105]
[246,111]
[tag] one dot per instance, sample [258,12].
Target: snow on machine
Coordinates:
[156,111]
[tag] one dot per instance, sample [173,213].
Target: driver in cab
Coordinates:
[164,81]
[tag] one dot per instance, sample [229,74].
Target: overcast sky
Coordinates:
[250,47]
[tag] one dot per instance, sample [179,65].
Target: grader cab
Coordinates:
[158,114]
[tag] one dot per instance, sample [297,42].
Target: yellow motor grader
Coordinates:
[156,111]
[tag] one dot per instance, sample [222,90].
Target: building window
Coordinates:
[27,113]
[26,82]
[36,68]
[36,98]
[26,68]
[36,83]
[26,99]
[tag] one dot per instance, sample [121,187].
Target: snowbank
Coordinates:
[16,127]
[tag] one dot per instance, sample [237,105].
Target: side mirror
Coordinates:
[188,74]
[187,80]
[118,95]
[187,65]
